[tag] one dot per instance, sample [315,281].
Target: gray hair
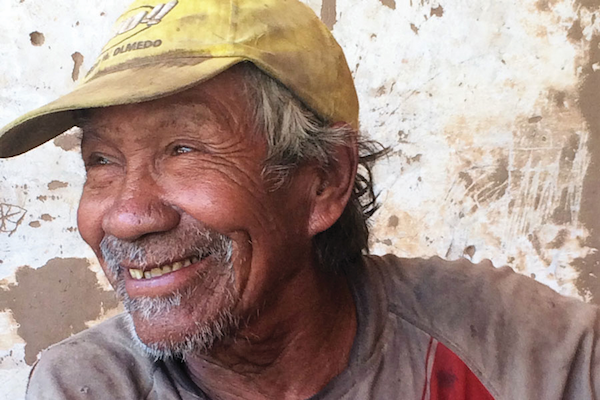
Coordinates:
[296,135]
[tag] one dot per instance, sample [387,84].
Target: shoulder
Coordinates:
[518,336]
[99,363]
[425,288]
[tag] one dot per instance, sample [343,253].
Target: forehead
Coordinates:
[223,100]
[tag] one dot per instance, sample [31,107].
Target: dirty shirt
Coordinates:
[427,330]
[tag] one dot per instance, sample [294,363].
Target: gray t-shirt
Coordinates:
[427,330]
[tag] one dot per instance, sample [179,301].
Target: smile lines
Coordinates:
[139,274]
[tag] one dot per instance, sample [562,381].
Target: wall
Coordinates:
[488,107]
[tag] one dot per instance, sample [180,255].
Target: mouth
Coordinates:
[163,280]
[145,274]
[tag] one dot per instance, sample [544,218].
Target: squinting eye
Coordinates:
[102,161]
[180,149]
[97,159]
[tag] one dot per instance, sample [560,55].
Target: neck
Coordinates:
[291,350]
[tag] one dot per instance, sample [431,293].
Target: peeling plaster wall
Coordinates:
[489,108]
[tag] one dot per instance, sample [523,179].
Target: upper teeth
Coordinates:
[159,271]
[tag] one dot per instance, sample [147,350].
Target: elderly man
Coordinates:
[224,205]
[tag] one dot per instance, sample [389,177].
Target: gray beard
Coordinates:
[145,251]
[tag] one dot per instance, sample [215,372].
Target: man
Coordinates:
[224,204]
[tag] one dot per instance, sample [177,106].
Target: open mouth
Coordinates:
[141,274]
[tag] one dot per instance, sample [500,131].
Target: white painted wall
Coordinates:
[478,100]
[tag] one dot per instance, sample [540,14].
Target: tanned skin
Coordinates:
[195,157]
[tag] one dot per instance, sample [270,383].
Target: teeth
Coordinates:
[156,272]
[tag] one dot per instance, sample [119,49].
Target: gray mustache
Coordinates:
[164,248]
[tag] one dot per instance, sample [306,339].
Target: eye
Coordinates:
[181,149]
[97,160]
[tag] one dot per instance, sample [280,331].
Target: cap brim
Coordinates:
[135,84]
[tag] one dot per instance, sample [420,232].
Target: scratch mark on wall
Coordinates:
[539,184]
[11,217]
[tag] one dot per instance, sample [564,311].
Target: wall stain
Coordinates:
[77,62]
[438,11]
[35,224]
[589,103]
[393,221]
[68,141]
[559,240]
[57,185]
[575,33]
[589,4]
[389,3]
[414,29]
[47,217]
[37,38]
[545,5]
[53,302]
[11,217]
[470,251]
[329,13]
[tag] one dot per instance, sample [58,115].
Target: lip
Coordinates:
[165,284]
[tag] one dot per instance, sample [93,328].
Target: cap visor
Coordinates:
[135,84]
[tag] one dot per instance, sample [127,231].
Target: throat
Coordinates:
[283,356]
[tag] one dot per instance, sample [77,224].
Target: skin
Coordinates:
[194,156]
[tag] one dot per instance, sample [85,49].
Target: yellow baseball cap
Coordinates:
[160,48]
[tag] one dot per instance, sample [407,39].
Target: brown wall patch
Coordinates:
[77,62]
[438,11]
[57,185]
[589,102]
[53,302]
[589,4]
[37,38]
[329,13]
[389,3]
[68,141]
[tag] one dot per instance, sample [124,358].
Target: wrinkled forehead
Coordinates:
[222,101]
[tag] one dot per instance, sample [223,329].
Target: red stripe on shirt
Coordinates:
[451,379]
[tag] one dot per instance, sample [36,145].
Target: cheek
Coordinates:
[89,221]
[223,200]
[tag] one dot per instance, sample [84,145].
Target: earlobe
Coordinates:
[333,188]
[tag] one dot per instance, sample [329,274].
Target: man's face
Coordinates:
[183,223]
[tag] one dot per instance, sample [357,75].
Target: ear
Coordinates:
[331,191]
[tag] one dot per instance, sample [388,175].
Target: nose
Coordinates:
[139,210]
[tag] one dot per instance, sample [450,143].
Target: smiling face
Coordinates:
[176,209]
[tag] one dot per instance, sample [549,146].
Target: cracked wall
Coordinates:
[489,108]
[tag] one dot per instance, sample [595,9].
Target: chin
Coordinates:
[182,342]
